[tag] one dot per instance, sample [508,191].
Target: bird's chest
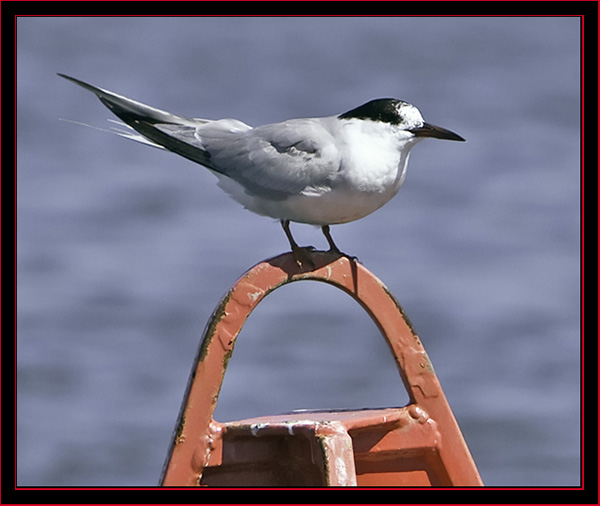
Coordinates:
[371,159]
[373,168]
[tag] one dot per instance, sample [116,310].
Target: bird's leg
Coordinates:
[332,247]
[286,228]
[301,255]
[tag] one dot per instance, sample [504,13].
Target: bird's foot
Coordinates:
[333,247]
[303,256]
[337,251]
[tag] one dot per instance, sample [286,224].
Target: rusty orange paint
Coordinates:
[417,445]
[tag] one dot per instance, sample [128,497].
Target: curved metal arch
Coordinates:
[195,430]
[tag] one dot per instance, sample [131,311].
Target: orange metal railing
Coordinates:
[417,445]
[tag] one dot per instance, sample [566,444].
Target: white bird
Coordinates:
[320,171]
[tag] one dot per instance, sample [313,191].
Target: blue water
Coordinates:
[124,251]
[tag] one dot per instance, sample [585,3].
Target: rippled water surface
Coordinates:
[124,251]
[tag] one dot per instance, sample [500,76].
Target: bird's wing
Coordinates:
[157,127]
[278,160]
[273,161]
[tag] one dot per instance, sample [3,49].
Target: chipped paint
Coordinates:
[256,427]
[401,310]
[336,445]
[209,332]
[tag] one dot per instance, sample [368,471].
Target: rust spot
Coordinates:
[209,332]
[401,310]
[179,437]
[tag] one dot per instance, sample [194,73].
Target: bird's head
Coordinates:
[404,117]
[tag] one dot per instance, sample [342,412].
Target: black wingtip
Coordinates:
[68,78]
[83,84]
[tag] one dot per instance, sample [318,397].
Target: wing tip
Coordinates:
[83,84]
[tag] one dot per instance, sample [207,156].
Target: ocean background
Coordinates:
[124,251]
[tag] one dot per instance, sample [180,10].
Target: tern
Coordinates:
[320,171]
